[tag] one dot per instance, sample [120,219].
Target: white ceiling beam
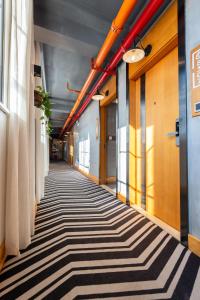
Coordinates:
[58,40]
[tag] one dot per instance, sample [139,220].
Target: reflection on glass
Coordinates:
[122,168]
[84,154]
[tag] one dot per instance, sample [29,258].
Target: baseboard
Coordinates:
[105,187]
[121,197]
[90,176]
[111,179]
[194,244]
[2,255]
[175,233]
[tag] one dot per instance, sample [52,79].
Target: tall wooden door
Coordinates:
[162,153]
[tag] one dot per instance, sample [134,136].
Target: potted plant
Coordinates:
[41,98]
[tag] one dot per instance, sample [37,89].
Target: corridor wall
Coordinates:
[192,40]
[86,142]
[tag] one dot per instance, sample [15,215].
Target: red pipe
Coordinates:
[145,17]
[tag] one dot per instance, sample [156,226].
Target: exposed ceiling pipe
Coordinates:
[72,90]
[143,20]
[116,28]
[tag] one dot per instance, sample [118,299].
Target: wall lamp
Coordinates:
[100,95]
[137,53]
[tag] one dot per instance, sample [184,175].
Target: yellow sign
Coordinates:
[195,80]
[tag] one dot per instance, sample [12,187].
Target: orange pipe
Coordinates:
[116,28]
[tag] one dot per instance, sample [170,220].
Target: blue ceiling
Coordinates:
[72,32]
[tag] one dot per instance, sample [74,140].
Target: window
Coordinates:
[84,155]
[1,47]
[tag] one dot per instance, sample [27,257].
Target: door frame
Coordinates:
[184,229]
[111,87]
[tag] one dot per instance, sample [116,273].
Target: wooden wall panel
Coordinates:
[163,37]
[111,87]
[194,244]
[138,147]
[71,149]
[135,151]
[132,144]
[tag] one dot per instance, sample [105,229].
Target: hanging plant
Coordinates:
[37,99]
[45,105]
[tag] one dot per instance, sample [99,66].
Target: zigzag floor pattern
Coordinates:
[89,245]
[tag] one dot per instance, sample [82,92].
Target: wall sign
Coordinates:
[97,128]
[37,71]
[195,80]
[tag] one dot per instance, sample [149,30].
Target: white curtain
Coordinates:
[20,190]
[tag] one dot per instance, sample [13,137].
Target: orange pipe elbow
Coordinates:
[116,27]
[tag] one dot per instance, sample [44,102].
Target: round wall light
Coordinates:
[98,96]
[133,55]
[136,54]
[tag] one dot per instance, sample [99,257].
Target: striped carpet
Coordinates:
[88,245]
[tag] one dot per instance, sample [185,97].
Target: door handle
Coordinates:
[172,133]
[175,133]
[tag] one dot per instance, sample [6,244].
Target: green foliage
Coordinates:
[46,107]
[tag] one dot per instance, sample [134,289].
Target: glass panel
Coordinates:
[84,155]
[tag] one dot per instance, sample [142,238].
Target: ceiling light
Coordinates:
[98,96]
[136,54]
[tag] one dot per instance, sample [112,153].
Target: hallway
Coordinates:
[89,245]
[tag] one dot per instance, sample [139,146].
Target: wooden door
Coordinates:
[71,149]
[162,154]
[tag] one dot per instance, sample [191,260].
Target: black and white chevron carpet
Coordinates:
[89,245]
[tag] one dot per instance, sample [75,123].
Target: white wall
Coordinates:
[85,134]
[3,121]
